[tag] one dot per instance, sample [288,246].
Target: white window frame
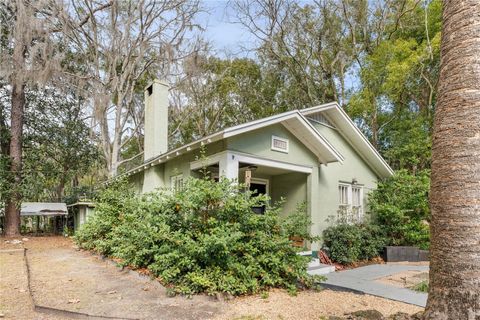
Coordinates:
[358,206]
[349,204]
[174,182]
[280,149]
[342,192]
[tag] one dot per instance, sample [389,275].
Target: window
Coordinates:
[357,199]
[279,144]
[343,192]
[176,182]
[350,202]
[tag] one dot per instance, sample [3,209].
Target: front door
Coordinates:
[258,188]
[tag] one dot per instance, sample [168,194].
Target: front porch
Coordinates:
[279,180]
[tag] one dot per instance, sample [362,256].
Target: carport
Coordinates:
[43,217]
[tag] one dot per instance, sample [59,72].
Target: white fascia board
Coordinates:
[258,124]
[350,131]
[283,118]
[322,139]
[319,108]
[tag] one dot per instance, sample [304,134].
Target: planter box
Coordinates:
[397,254]
[297,242]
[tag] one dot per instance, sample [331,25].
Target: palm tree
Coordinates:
[455,190]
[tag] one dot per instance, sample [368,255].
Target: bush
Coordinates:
[204,238]
[348,243]
[400,206]
[298,223]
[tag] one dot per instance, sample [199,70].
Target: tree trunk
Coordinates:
[455,189]
[12,210]
[4,135]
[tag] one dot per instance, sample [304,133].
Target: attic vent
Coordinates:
[279,144]
[320,118]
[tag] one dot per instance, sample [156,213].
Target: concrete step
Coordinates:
[314,263]
[320,269]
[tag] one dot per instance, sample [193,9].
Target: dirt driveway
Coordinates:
[77,281]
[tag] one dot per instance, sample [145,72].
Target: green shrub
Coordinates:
[204,238]
[400,206]
[298,223]
[348,243]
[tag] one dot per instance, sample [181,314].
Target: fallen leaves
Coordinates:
[73,301]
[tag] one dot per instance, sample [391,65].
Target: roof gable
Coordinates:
[297,123]
[300,127]
[350,132]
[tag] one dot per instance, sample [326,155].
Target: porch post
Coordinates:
[228,166]
[313,205]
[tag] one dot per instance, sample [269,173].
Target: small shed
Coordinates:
[82,210]
[43,216]
[43,209]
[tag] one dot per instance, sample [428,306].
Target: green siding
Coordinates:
[319,189]
[159,175]
[292,187]
[259,142]
[329,177]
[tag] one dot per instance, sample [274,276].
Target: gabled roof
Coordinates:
[353,135]
[43,209]
[293,120]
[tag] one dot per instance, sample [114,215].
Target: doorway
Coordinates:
[258,187]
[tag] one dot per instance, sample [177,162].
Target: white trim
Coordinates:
[228,166]
[261,123]
[241,157]
[324,145]
[173,182]
[282,140]
[208,161]
[354,136]
[350,205]
[322,148]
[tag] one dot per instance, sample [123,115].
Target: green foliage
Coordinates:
[111,204]
[400,206]
[348,243]
[395,101]
[421,286]
[203,238]
[298,223]
[57,144]
[219,94]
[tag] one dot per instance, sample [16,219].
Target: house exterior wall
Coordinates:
[331,175]
[136,180]
[159,175]
[258,143]
[319,188]
[291,186]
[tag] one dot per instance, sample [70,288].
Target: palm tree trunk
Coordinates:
[455,190]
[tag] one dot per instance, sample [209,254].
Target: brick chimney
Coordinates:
[156,119]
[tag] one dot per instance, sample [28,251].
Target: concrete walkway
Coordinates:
[363,280]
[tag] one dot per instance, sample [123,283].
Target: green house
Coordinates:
[315,155]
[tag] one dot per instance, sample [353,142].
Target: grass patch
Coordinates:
[421,286]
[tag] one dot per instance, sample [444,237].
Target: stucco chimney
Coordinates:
[156,119]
